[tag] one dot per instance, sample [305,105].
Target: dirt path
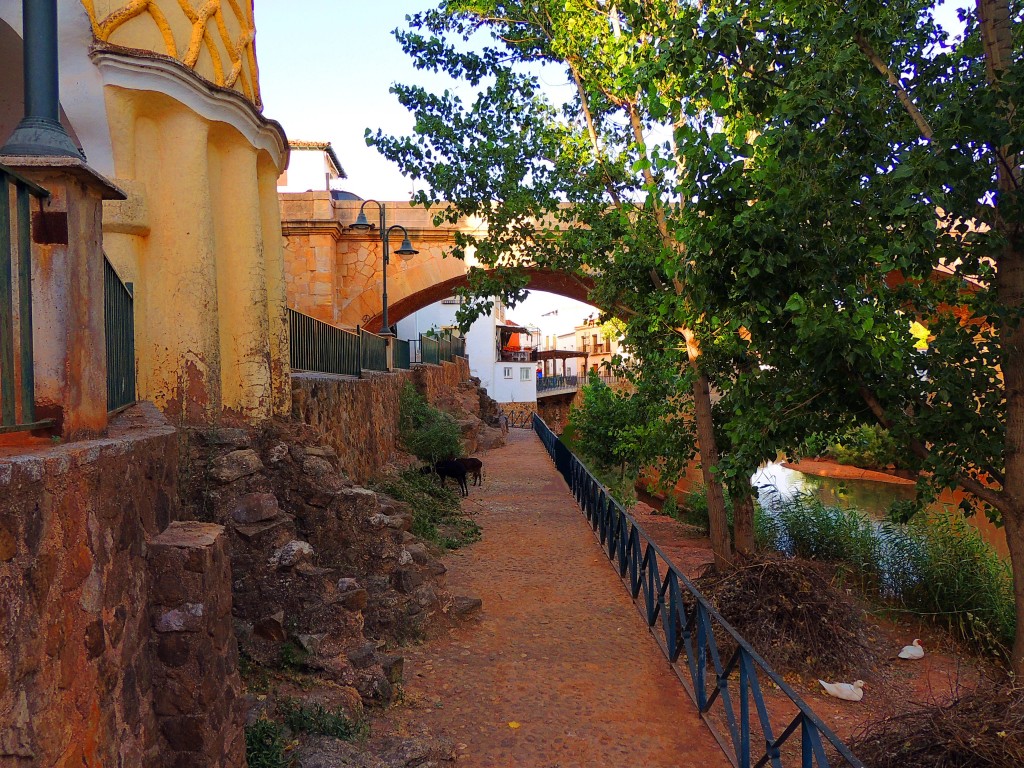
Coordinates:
[559,670]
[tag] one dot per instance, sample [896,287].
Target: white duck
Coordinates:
[847,691]
[913,651]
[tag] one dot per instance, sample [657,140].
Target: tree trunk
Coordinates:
[743,522]
[996,37]
[1014,524]
[717,522]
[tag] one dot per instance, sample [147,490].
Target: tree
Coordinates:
[574,189]
[824,175]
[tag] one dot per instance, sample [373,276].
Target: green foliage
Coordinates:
[292,656]
[437,514]
[812,145]
[265,745]
[938,566]
[866,445]
[941,568]
[255,677]
[426,432]
[695,509]
[314,719]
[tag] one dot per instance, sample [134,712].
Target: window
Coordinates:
[508,372]
[524,374]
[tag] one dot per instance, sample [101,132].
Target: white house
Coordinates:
[500,351]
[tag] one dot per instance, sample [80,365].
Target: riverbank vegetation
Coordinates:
[936,567]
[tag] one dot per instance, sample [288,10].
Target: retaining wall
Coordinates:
[359,417]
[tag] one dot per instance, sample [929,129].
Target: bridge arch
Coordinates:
[548,280]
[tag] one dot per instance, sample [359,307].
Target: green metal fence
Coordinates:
[373,351]
[17,371]
[322,348]
[403,355]
[445,350]
[458,346]
[119,324]
[430,350]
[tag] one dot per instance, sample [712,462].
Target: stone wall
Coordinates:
[77,663]
[359,417]
[197,688]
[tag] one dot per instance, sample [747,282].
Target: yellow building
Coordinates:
[163,99]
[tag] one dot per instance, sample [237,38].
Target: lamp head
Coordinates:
[361,222]
[406,248]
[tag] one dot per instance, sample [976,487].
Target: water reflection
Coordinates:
[874,498]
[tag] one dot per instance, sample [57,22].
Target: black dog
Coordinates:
[449,468]
[474,468]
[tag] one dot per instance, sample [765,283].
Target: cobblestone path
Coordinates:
[559,670]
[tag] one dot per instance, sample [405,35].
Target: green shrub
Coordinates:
[695,509]
[265,745]
[867,445]
[437,514]
[313,718]
[426,432]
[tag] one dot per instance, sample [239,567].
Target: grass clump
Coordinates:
[804,526]
[939,566]
[426,432]
[936,566]
[314,719]
[265,745]
[437,514]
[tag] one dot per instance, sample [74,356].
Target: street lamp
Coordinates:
[405,250]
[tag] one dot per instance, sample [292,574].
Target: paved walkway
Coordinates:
[559,671]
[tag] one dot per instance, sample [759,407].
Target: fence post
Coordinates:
[66,300]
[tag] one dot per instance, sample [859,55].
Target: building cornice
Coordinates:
[146,71]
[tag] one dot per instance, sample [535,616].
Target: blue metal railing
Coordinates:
[119,325]
[322,348]
[685,624]
[546,383]
[17,372]
[373,351]
[403,355]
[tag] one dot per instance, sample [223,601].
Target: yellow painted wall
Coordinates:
[200,238]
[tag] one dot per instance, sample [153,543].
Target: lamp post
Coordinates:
[40,133]
[405,251]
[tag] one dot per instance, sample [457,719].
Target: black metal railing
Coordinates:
[430,350]
[373,351]
[403,356]
[17,364]
[688,630]
[546,383]
[119,325]
[321,347]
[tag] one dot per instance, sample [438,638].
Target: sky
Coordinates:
[326,67]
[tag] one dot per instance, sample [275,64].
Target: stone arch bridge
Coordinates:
[333,273]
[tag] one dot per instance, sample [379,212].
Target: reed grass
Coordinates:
[937,566]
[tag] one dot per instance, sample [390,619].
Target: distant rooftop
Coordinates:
[320,146]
